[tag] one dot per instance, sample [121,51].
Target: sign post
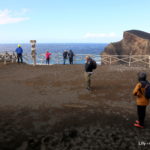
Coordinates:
[33,51]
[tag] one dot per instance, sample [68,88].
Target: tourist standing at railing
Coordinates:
[70,55]
[47,55]
[19,52]
[65,56]
[90,65]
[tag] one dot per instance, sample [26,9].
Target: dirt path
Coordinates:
[48,108]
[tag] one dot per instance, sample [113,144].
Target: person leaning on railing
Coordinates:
[70,55]
[47,55]
[19,52]
[65,56]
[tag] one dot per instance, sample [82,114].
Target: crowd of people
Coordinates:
[67,55]
[141,90]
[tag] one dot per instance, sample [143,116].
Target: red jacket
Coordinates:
[47,55]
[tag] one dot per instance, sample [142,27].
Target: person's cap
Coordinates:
[19,45]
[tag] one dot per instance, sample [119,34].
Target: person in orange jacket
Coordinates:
[141,100]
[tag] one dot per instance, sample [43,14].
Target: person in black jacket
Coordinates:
[70,55]
[88,72]
[65,56]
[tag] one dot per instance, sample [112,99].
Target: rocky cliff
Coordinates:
[134,42]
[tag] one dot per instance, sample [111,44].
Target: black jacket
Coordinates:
[70,54]
[65,55]
[88,66]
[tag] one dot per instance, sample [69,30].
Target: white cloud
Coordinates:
[8,16]
[99,35]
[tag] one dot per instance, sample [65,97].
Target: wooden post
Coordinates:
[33,51]
[5,60]
[110,60]
[149,61]
[129,60]
[5,57]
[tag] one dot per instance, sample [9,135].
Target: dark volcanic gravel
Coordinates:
[48,108]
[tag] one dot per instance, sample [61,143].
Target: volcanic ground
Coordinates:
[48,108]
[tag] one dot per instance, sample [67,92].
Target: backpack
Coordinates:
[94,64]
[147,91]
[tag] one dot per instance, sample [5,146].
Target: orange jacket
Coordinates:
[141,100]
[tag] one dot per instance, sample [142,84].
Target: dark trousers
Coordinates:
[141,111]
[47,60]
[71,60]
[19,57]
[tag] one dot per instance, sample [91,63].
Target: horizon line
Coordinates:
[58,43]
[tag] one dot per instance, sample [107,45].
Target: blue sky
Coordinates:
[71,21]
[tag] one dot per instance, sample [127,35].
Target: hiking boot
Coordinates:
[138,122]
[138,125]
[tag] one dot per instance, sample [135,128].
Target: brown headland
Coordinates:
[134,42]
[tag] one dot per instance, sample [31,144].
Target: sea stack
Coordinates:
[134,42]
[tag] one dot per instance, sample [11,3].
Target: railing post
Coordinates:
[110,60]
[129,60]
[12,60]
[5,61]
[149,61]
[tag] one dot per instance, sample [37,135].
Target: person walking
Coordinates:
[141,101]
[47,55]
[90,64]
[19,52]
[70,55]
[65,56]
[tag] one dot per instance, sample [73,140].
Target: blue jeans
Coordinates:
[65,60]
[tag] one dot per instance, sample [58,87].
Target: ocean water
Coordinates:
[78,48]
[58,48]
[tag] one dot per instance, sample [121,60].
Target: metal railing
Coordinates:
[8,57]
[125,59]
[57,58]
